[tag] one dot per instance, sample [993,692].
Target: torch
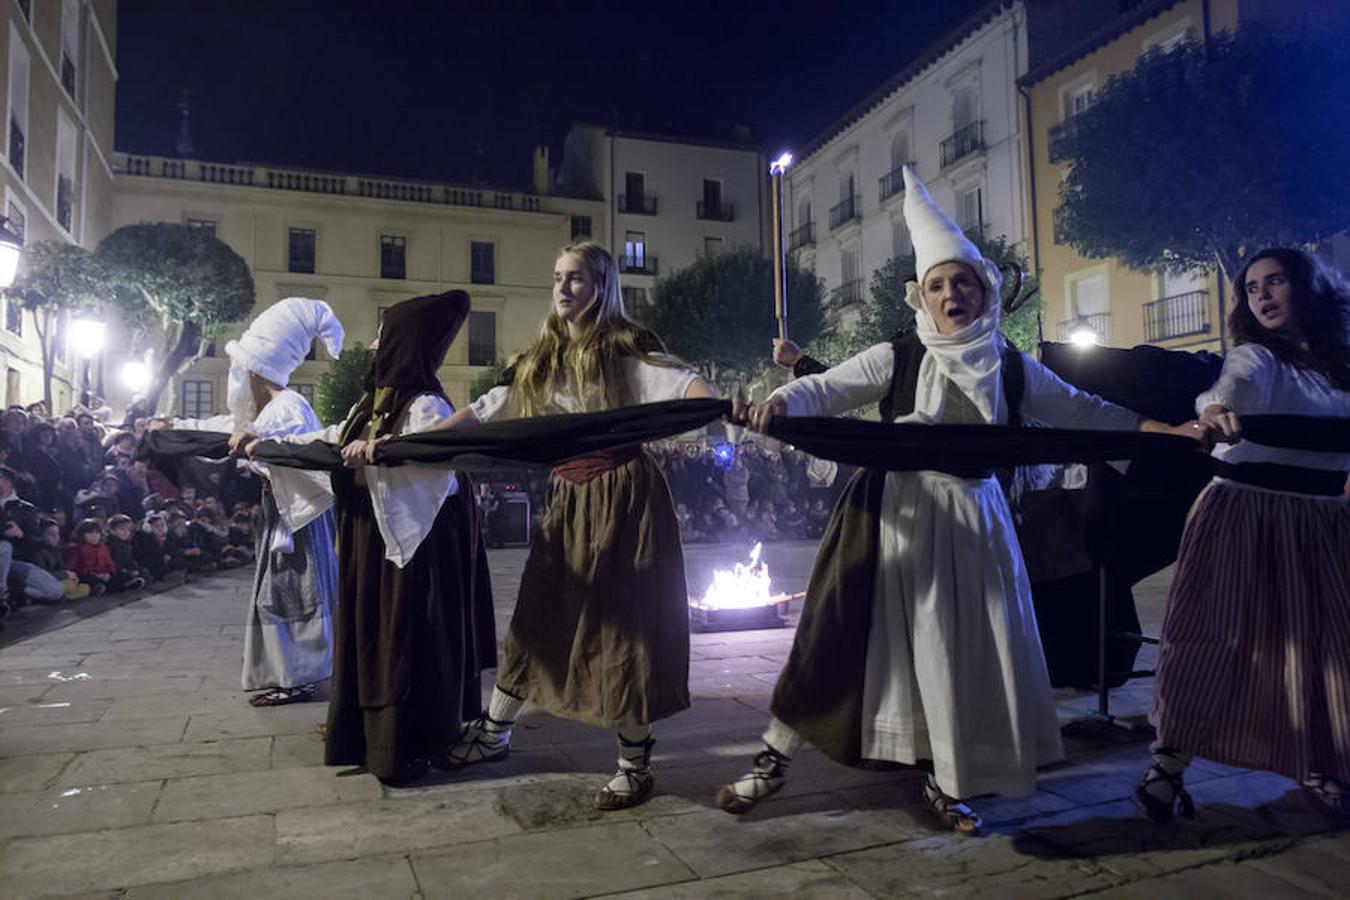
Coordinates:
[777,169]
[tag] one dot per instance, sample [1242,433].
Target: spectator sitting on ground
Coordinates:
[182,546]
[151,549]
[121,530]
[48,554]
[88,557]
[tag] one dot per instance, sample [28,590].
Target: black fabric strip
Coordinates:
[1276,477]
[959,449]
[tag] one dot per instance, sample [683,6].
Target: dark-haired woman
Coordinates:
[1254,669]
[601,629]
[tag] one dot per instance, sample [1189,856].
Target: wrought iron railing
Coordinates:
[963,142]
[844,212]
[803,235]
[1179,315]
[643,205]
[719,212]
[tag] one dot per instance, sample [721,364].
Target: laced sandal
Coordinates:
[478,743]
[954,814]
[1156,809]
[632,784]
[760,783]
[280,696]
[1332,793]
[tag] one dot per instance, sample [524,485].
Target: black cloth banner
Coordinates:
[960,449]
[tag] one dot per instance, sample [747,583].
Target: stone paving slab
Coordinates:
[92,860]
[575,862]
[313,834]
[168,761]
[385,877]
[249,793]
[131,765]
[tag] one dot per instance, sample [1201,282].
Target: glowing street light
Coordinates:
[1083,335]
[135,376]
[86,337]
[10,247]
[777,169]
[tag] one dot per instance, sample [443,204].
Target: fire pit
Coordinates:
[740,599]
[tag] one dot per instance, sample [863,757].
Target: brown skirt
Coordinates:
[601,629]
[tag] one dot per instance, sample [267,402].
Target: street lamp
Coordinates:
[1082,334]
[777,169]
[135,376]
[11,245]
[86,339]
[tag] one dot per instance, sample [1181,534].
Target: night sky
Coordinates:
[462,92]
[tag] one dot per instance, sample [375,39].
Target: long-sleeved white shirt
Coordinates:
[866,378]
[406,499]
[649,384]
[1255,381]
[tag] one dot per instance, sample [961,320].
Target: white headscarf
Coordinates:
[275,345]
[971,359]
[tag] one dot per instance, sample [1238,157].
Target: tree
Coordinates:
[53,278]
[338,389]
[884,311]
[719,313]
[175,285]
[1210,151]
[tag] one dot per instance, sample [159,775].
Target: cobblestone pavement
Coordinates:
[130,766]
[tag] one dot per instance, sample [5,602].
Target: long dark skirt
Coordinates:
[410,644]
[601,629]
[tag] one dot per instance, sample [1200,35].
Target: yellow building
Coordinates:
[362,244]
[1123,306]
[57,63]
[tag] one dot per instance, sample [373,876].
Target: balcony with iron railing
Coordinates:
[803,235]
[282,179]
[642,205]
[716,212]
[849,210]
[1180,315]
[637,264]
[964,142]
[1100,323]
[1060,135]
[893,182]
[848,293]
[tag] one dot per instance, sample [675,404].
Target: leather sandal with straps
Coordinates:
[637,780]
[477,744]
[1155,808]
[760,783]
[954,814]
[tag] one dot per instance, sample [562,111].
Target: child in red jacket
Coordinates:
[89,558]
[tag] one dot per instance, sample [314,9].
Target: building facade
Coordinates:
[952,115]
[1122,306]
[362,244]
[56,162]
[669,200]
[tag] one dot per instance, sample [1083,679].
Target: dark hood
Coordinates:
[414,338]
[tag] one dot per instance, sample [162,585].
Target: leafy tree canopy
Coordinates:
[54,274]
[1211,151]
[338,389]
[719,313]
[181,274]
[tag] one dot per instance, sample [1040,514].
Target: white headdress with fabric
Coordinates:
[972,358]
[274,346]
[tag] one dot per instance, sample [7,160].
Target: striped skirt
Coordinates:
[1254,668]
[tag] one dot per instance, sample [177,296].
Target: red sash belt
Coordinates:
[581,469]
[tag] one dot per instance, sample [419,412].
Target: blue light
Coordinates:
[724,455]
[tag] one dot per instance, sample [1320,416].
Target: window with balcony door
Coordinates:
[17,120]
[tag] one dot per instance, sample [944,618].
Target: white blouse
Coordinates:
[406,499]
[866,378]
[1255,381]
[649,383]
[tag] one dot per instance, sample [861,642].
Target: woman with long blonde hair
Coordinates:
[601,629]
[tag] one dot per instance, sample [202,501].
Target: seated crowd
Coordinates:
[81,516]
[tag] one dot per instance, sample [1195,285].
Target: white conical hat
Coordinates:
[276,342]
[937,239]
